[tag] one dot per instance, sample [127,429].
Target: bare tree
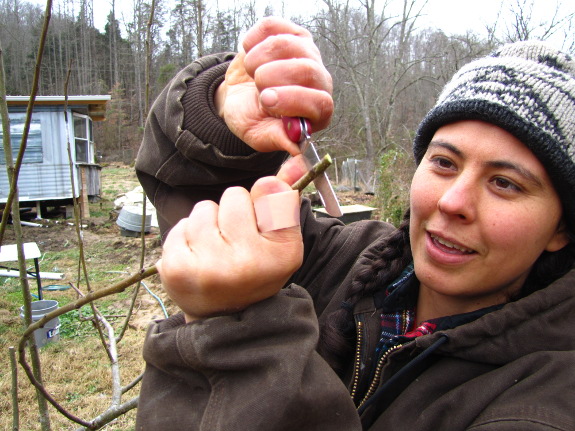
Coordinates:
[551,21]
[199,16]
[137,44]
[369,52]
[250,16]
[404,63]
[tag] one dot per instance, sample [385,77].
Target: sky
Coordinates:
[458,16]
[451,16]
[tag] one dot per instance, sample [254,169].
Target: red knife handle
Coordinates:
[294,129]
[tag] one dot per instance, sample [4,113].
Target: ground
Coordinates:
[76,369]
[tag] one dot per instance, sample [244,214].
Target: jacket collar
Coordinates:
[541,321]
[538,322]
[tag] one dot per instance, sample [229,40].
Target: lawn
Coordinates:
[76,369]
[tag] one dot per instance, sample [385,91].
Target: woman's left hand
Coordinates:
[217,262]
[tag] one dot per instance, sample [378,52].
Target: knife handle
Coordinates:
[297,128]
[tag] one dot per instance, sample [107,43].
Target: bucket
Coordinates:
[51,330]
[130,219]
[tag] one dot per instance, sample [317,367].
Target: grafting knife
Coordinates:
[299,131]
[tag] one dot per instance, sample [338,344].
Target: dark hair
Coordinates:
[381,267]
[386,263]
[549,267]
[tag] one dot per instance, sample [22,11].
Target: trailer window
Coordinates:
[83,138]
[33,153]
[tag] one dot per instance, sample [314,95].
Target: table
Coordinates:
[9,253]
[350,213]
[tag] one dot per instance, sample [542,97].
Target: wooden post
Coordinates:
[83,201]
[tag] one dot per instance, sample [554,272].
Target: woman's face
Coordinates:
[483,209]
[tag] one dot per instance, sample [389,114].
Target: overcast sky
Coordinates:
[451,16]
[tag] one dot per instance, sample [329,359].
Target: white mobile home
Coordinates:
[45,177]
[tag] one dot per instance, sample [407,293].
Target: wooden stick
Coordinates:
[15,407]
[316,170]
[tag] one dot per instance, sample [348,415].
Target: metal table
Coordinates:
[9,253]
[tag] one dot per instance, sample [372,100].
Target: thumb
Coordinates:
[236,73]
[276,205]
[268,185]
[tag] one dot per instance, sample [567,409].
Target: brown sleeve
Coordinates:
[187,153]
[254,370]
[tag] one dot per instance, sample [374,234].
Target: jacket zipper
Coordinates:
[357,360]
[377,375]
[357,363]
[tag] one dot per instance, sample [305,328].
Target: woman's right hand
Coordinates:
[278,73]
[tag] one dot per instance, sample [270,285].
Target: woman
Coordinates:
[460,319]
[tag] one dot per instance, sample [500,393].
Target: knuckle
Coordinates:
[173,273]
[279,44]
[266,25]
[325,108]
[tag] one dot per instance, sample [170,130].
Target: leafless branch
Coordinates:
[15,409]
[88,298]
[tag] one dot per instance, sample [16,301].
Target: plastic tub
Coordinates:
[51,330]
[130,219]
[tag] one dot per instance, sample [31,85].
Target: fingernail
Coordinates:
[269,98]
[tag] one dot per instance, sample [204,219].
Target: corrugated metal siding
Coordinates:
[40,182]
[50,179]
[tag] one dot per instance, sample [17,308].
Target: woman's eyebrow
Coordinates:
[447,146]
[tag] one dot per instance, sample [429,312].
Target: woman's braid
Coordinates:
[382,266]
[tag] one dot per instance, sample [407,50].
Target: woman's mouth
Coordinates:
[448,246]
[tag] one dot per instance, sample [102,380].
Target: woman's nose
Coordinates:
[459,199]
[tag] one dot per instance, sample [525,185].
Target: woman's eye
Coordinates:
[505,184]
[442,162]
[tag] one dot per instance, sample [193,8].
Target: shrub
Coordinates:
[396,169]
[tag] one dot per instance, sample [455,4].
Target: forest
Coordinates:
[387,67]
[386,64]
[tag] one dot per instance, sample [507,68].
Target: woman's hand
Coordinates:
[217,262]
[278,73]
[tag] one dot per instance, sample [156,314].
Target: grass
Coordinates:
[76,369]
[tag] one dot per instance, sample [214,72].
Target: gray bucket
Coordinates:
[130,219]
[51,330]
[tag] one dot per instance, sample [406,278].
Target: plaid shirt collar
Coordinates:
[398,304]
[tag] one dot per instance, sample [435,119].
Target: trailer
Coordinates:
[60,131]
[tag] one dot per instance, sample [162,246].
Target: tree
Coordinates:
[369,53]
[181,33]
[199,19]
[224,32]
[526,20]
[16,21]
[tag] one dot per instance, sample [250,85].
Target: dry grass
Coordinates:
[78,376]
[76,369]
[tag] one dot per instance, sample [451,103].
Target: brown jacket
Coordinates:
[258,370]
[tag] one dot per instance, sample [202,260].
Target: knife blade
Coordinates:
[299,131]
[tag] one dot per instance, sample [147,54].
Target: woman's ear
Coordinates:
[560,239]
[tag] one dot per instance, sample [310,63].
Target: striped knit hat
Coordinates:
[526,88]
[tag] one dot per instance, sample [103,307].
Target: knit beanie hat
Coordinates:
[527,89]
